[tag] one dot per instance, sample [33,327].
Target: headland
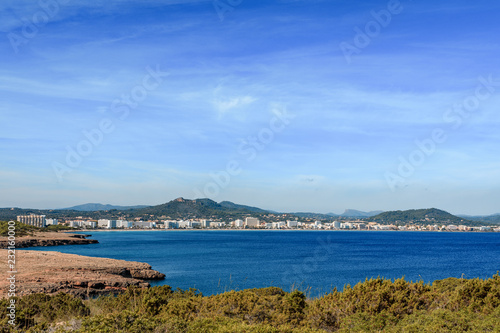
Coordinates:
[53,272]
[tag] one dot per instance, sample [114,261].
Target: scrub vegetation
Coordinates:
[376,305]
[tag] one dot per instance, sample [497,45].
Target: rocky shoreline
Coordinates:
[48,239]
[53,272]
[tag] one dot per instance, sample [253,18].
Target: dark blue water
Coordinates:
[312,261]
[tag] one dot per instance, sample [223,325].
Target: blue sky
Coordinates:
[287,105]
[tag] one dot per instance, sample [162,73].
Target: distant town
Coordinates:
[83,223]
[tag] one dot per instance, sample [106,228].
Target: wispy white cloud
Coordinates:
[225,105]
[351,123]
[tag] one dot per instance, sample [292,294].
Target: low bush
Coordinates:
[376,305]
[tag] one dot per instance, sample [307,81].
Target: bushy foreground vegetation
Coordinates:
[376,305]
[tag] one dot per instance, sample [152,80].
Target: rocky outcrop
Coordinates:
[146,274]
[48,239]
[54,272]
[49,242]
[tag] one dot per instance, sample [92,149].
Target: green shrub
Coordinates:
[38,310]
[376,305]
[21,229]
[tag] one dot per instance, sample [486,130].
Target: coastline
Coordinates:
[51,272]
[48,239]
[79,232]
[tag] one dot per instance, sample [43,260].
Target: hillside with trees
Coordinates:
[198,208]
[179,208]
[420,217]
[493,219]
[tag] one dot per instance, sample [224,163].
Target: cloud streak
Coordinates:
[351,122]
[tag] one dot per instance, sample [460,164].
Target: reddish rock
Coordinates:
[53,272]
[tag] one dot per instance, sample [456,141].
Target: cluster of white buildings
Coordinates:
[254,223]
[450,227]
[82,224]
[123,224]
[111,224]
[283,225]
[248,223]
[336,225]
[51,222]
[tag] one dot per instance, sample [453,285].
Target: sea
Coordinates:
[314,262]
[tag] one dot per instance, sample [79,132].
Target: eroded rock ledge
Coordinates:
[48,239]
[53,272]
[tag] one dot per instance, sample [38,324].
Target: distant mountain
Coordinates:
[420,216]
[495,218]
[358,213]
[95,207]
[12,213]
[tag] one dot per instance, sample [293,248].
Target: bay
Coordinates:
[312,261]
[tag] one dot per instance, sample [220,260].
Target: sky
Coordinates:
[286,105]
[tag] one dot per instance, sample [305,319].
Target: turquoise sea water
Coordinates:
[313,261]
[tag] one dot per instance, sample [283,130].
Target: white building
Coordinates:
[171,225]
[124,224]
[34,220]
[102,223]
[89,224]
[252,222]
[238,223]
[217,224]
[106,224]
[278,225]
[185,224]
[292,224]
[205,223]
[336,224]
[144,225]
[75,224]
[51,221]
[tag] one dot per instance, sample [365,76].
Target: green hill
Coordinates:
[199,208]
[179,208]
[494,219]
[420,216]
[233,206]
